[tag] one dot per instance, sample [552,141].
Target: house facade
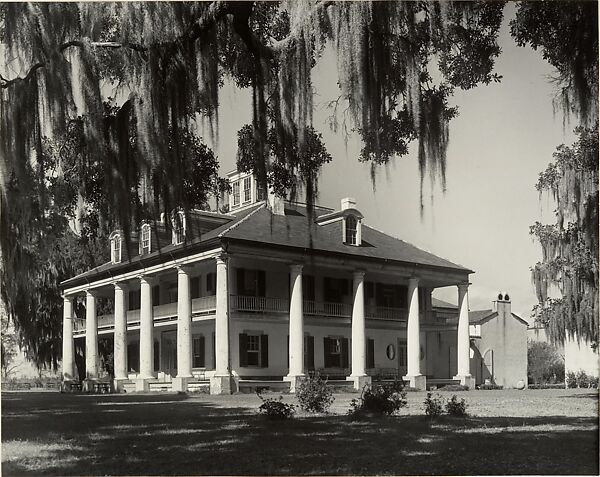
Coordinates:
[271,292]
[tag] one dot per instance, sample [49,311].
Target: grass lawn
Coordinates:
[509,432]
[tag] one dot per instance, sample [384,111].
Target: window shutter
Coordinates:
[201,346]
[370,353]
[326,353]
[241,290]
[309,356]
[345,352]
[214,352]
[243,350]
[156,356]
[262,283]
[195,287]
[155,295]
[264,351]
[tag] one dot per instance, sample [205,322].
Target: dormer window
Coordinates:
[115,247]
[351,230]
[145,244]
[178,227]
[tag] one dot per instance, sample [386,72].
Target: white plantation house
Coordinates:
[268,292]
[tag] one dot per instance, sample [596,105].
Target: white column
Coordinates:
[120,340]
[146,330]
[417,380]
[296,364]
[358,327]
[463,338]
[222,319]
[184,325]
[91,335]
[68,362]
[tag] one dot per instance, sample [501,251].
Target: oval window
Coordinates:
[390,351]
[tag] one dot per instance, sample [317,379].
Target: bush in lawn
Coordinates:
[582,379]
[571,379]
[275,409]
[433,405]
[380,399]
[456,408]
[314,395]
[594,382]
[490,387]
[454,387]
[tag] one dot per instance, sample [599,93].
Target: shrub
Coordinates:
[275,409]
[582,379]
[314,395]
[385,398]
[456,408]
[544,364]
[547,386]
[433,405]
[571,379]
[594,382]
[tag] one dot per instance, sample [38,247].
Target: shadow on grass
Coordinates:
[173,434]
[588,395]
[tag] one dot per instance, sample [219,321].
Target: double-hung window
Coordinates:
[116,248]
[198,347]
[178,228]
[236,193]
[351,230]
[247,189]
[145,239]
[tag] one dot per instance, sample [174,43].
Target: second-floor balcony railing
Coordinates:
[317,308]
[259,304]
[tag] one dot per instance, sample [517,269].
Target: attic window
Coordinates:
[145,245]
[178,228]
[115,247]
[351,230]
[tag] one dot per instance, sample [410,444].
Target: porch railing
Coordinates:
[204,304]
[259,304]
[386,313]
[317,308]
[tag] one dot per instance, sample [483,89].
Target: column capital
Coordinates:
[121,285]
[146,279]
[186,269]
[68,298]
[296,267]
[413,281]
[358,274]
[222,258]
[463,287]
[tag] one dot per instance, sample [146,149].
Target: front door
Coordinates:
[169,353]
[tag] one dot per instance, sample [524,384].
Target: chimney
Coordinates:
[348,203]
[502,304]
[276,204]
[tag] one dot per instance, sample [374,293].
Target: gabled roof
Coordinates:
[437,303]
[296,229]
[479,316]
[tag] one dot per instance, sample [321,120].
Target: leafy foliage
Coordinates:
[544,364]
[314,395]
[275,409]
[456,408]
[433,405]
[570,247]
[567,35]
[379,399]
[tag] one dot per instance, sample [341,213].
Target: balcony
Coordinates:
[205,305]
[259,304]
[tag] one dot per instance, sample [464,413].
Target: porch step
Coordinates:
[198,386]
[252,385]
[160,386]
[128,386]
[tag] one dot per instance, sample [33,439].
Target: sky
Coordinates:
[503,138]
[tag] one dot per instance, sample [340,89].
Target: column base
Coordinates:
[180,384]
[142,385]
[466,380]
[360,381]
[222,384]
[294,381]
[417,381]
[118,384]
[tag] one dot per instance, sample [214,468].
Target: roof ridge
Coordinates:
[418,248]
[243,219]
